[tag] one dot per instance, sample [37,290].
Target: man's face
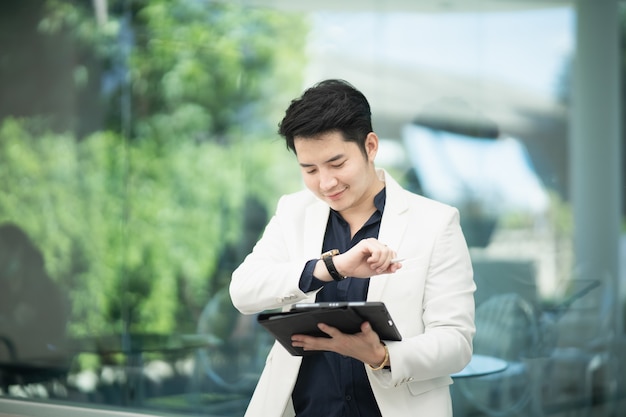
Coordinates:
[337,171]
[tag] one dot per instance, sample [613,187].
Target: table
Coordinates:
[481,365]
[132,347]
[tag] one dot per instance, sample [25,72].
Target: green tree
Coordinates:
[135,235]
[213,64]
[623,85]
[136,218]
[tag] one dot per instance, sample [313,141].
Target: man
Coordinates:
[368,220]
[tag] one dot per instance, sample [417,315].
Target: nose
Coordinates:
[327,180]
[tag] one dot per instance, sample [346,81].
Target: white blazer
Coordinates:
[431,299]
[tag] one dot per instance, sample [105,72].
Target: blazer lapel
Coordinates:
[392,228]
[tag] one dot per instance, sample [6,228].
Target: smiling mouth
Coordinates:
[336,195]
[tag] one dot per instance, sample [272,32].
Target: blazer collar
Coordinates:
[392,228]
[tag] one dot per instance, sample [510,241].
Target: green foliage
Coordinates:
[76,19]
[622,10]
[204,67]
[133,234]
[141,222]
[212,63]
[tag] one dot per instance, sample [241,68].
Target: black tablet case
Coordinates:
[345,316]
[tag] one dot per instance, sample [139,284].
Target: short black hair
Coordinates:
[330,105]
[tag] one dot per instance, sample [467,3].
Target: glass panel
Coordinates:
[138,168]
[139,165]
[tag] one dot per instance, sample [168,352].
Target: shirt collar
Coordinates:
[380,199]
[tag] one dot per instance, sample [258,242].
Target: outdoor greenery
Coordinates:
[623,109]
[141,218]
[142,210]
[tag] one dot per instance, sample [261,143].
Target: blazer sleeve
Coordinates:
[268,277]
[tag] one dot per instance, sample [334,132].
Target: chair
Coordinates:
[507,327]
[585,365]
[234,364]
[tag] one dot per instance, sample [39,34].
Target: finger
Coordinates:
[378,254]
[299,339]
[369,333]
[384,262]
[307,342]
[329,330]
[394,267]
[366,328]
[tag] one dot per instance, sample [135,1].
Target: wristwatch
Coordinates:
[327,257]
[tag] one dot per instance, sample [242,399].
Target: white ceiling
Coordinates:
[427,6]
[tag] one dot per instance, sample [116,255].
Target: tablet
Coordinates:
[345,316]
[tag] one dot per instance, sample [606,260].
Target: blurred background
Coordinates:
[139,164]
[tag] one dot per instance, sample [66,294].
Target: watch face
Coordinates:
[331,252]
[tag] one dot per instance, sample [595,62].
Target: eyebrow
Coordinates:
[333,159]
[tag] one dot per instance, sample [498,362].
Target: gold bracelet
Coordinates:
[385,361]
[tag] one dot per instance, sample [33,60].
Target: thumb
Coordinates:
[366,327]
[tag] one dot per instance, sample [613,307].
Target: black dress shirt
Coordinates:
[329,384]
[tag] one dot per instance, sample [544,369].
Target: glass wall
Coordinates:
[139,163]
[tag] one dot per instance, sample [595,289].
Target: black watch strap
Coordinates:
[327,257]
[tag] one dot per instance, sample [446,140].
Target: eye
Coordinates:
[310,171]
[339,165]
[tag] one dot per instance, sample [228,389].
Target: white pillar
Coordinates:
[595,155]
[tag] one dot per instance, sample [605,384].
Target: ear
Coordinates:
[371,146]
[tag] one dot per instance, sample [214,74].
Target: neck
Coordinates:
[356,216]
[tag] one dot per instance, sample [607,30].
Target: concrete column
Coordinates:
[595,156]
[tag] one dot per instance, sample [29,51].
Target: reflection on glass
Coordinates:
[138,165]
[144,168]
[33,315]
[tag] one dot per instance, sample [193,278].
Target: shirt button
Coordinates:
[348,398]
